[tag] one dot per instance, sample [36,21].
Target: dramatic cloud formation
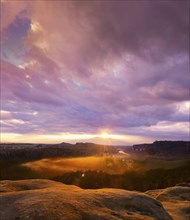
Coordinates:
[80,67]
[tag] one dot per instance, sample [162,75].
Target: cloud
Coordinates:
[9,11]
[88,65]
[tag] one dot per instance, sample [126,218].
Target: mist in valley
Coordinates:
[110,164]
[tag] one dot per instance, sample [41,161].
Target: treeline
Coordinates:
[12,170]
[131,180]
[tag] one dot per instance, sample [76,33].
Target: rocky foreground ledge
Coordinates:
[50,200]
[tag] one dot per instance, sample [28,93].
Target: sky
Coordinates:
[112,72]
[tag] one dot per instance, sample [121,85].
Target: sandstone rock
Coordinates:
[176,200]
[49,200]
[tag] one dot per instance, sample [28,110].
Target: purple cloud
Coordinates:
[122,66]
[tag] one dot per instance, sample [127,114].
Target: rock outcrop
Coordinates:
[50,200]
[163,149]
[176,200]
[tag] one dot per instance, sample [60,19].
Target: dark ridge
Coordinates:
[39,151]
[164,149]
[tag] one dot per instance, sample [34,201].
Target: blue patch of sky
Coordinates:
[13,47]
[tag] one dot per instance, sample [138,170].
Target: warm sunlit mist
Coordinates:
[112,165]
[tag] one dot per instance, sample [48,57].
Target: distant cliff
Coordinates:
[164,149]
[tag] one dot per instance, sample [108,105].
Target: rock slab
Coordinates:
[50,200]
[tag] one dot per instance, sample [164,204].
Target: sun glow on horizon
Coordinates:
[66,136]
[109,135]
[103,137]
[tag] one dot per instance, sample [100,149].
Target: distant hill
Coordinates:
[38,151]
[158,149]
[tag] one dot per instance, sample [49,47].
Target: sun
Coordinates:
[107,134]
[104,135]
